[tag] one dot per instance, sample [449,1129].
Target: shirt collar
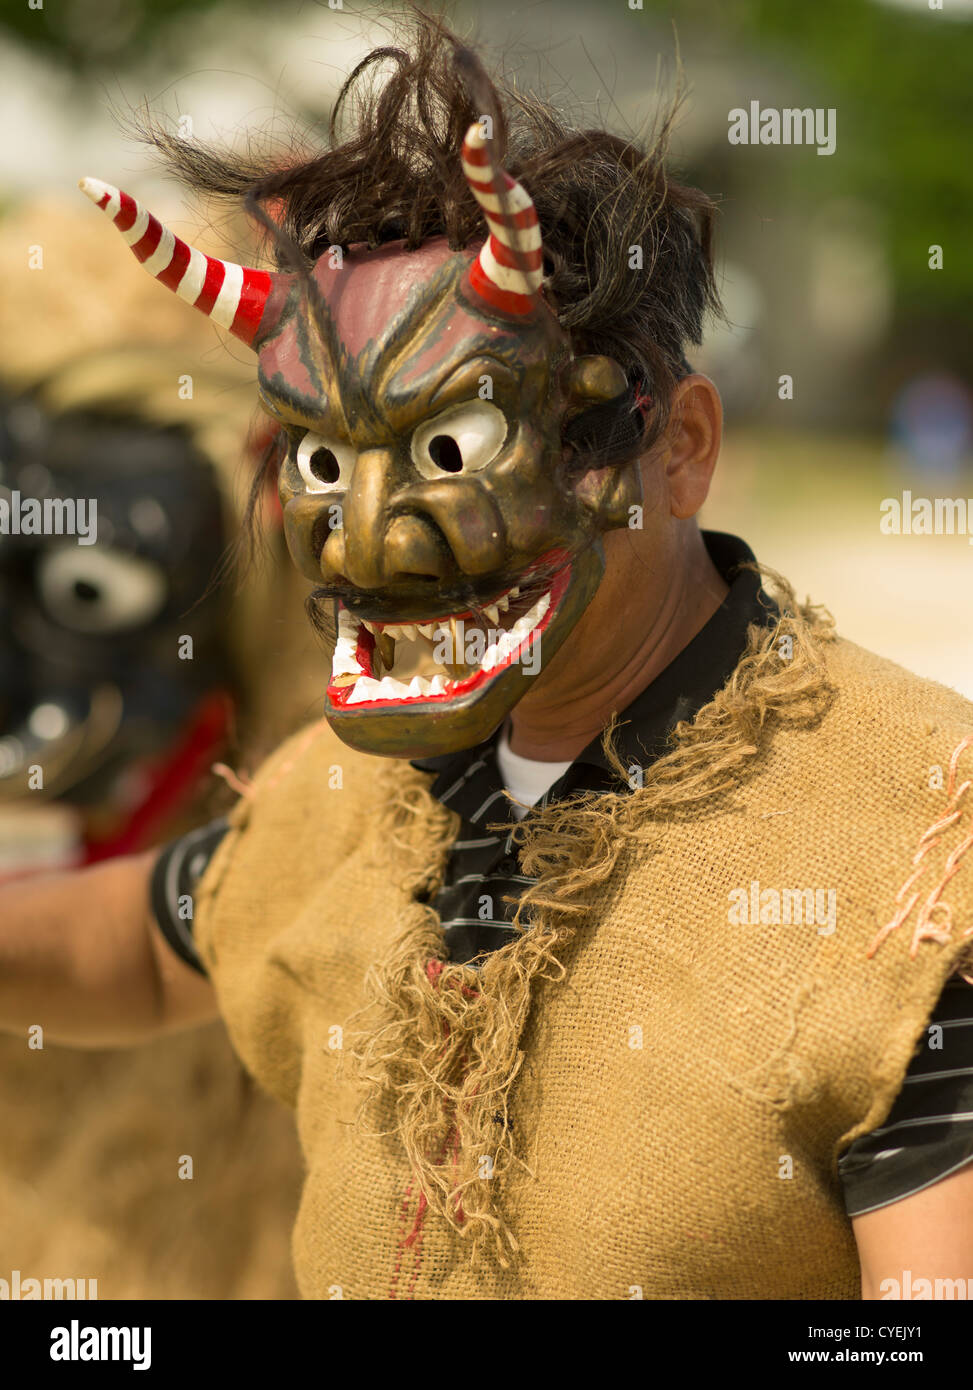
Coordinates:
[679,692]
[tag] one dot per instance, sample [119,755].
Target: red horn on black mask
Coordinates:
[508,272]
[234,296]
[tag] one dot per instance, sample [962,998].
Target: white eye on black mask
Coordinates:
[100,590]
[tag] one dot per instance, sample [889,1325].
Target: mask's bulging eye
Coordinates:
[324,464]
[100,590]
[463,439]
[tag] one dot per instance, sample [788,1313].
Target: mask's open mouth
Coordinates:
[379,665]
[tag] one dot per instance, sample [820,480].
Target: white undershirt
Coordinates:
[526,778]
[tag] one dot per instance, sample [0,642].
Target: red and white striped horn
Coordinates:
[509,270]
[232,295]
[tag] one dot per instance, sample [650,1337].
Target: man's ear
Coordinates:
[692,443]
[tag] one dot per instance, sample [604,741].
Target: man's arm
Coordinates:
[82,956]
[929,1234]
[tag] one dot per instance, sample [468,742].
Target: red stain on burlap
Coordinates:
[409,1249]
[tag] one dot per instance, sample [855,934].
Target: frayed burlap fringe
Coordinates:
[934,919]
[438,1045]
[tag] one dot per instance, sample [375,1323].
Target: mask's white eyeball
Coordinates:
[462,439]
[325,464]
[100,590]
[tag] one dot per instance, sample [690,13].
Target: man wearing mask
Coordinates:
[592,931]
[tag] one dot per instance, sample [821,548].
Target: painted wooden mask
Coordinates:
[433,487]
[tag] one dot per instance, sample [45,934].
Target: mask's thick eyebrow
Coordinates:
[286,411]
[460,383]
[468,374]
[404,408]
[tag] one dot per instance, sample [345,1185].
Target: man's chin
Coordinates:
[457,708]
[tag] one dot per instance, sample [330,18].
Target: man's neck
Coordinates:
[606,662]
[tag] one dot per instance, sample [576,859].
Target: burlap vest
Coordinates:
[681,1090]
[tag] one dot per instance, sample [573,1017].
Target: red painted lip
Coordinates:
[338,695]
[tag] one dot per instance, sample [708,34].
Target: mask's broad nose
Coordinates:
[390,534]
[375,544]
[364,518]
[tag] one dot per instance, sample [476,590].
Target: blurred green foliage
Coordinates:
[901,80]
[87,33]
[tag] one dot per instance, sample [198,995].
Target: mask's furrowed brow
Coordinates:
[283,407]
[404,406]
[468,378]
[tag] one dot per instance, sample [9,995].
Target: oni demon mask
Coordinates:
[431,488]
